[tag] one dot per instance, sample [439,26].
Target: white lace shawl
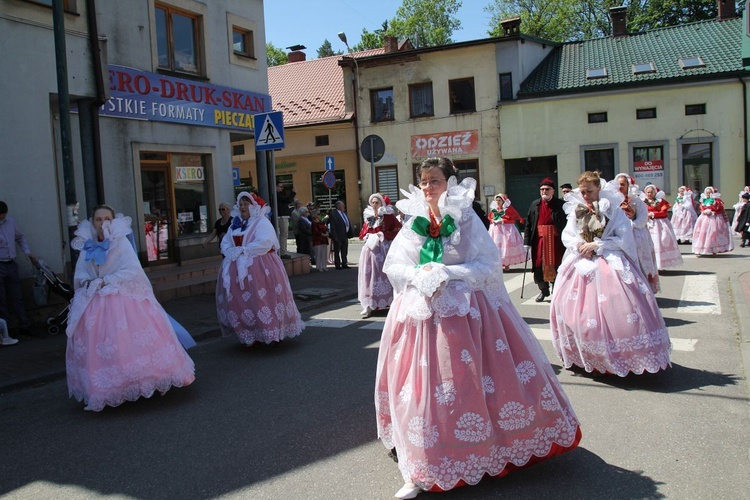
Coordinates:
[616,240]
[258,239]
[121,272]
[471,262]
[686,204]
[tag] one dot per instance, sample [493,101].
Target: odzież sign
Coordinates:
[445,143]
[149,96]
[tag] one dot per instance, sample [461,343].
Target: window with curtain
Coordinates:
[420,100]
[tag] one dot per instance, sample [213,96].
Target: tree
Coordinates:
[426,23]
[660,13]
[275,56]
[326,50]
[371,40]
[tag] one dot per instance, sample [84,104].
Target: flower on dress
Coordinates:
[592,323]
[466,357]
[632,318]
[261,292]
[265,315]
[278,289]
[472,428]
[500,345]
[488,385]
[514,416]
[421,434]
[233,319]
[525,370]
[248,317]
[246,296]
[445,393]
[549,400]
[601,298]
[405,394]
[106,348]
[280,311]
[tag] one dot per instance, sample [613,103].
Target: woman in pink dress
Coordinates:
[121,343]
[603,315]
[683,215]
[504,233]
[662,235]
[463,388]
[374,291]
[254,300]
[637,213]
[711,234]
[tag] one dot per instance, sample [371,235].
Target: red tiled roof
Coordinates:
[311,91]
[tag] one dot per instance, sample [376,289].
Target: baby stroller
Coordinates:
[60,288]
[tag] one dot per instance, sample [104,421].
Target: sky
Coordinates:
[311,22]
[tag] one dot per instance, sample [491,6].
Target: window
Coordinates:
[593,73]
[691,62]
[238,149]
[190,194]
[387,182]
[242,42]
[381,103]
[321,140]
[602,160]
[420,100]
[468,168]
[649,166]
[640,69]
[645,114]
[462,95]
[177,35]
[696,166]
[506,87]
[695,109]
[68,5]
[598,117]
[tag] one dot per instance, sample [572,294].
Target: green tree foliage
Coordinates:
[426,23]
[372,40]
[326,50]
[660,13]
[275,56]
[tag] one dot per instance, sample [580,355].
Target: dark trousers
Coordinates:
[340,251]
[10,294]
[539,278]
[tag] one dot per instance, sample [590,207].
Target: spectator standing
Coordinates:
[221,226]
[320,242]
[341,231]
[284,200]
[544,225]
[304,227]
[293,218]
[565,189]
[10,281]
[743,220]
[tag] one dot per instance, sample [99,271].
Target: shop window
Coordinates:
[598,117]
[695,109]
[645,114]
[462,98]
[68,5]
[238,149]
[420,100]
[321,140]
[506,87]
[177,40]
[190,194]
[387,182]
[697,163]
[601,160]
[242,42]
[381,105]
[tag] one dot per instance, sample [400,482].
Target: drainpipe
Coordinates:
[744,130]
[63,103]
[91,153]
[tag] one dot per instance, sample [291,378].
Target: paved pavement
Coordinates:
[37,360]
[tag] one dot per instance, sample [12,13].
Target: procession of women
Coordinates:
[463,390]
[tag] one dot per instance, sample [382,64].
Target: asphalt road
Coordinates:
[296,420]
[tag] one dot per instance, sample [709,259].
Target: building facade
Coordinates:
[177,81]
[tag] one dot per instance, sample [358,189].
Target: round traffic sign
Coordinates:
[329,179]
[373,148]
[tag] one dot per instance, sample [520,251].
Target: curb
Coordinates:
[741,303]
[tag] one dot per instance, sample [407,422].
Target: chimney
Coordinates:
[511,27]
[619,16]
[726,9]
[296,56]
[390,43]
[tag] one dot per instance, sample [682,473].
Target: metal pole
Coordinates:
[525,267]
[61,64]
[372,163]
[272,191]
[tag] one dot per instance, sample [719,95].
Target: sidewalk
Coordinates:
[35,361]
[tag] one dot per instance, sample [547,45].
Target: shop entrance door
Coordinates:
[157,213]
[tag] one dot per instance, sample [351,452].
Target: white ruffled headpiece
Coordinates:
[256,209]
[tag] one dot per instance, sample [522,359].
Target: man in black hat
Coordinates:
[565,189]
[743,221]
[543,236]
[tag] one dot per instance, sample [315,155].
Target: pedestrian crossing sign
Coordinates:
[269,131]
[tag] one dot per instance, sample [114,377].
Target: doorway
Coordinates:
[157,212]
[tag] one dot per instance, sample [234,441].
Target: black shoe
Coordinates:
[345,267]
[393,455]
[542,295]
[338,267]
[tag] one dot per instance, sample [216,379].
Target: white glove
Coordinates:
[233,253]
[429,278]
[526,248]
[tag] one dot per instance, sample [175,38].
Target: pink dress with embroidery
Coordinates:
[254,300]
[603,314]
[711,234]
[463,388]
[121,344]
[666,249]
[505,234]
[684,217]
[373,288]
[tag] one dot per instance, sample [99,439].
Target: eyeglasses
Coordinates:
[222,210]
[432,183]
[545,189]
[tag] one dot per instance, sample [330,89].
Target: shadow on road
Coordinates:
[678,378]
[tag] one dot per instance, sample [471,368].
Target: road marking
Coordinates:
[322,322]
[514,283]
[700,295]
[374,345]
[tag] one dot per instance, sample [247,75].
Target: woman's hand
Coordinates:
[588,250]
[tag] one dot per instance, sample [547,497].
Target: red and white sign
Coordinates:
[649,171]
[445,143]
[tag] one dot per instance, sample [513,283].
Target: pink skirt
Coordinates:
[510,243]
[374,290]
[468,396]
[683,222]
[123,349]
[711,235]
[608,321]
[666,249]
[263,308]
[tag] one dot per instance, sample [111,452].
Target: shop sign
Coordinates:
[185,217]
[445,143]
[182,174]
[649,171]
[149,96]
